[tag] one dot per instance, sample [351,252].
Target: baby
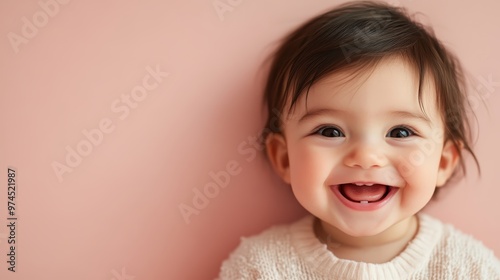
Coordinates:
[367,120]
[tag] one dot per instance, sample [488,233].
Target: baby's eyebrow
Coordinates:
[393,114]
[411,115]
[319,112]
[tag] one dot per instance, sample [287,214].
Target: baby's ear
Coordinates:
[450,157]
[278,155]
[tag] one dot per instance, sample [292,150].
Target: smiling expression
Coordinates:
[364,129]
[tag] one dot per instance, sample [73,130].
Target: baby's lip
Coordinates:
[376,199]
[367,183]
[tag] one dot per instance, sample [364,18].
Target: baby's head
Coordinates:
[363,95]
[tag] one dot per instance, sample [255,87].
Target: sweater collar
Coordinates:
[415,256]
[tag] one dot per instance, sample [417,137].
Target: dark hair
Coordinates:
[356,36]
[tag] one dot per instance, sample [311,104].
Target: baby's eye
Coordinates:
[400,132]
[330,131]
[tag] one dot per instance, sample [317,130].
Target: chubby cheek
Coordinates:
[419,169]
[310,168]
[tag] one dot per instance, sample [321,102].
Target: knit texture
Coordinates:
[438,251]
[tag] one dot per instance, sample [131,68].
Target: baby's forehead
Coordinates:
[396,81]
[352,76]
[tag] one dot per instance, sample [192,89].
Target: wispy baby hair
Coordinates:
[355,37]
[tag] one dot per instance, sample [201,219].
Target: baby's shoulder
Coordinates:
[263,256]
[465,254]
[272,242]
[457,242]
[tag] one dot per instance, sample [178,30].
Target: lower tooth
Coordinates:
[364,202]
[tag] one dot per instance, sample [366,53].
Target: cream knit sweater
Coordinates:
[438,251]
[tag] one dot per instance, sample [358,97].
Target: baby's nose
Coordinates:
[365,156]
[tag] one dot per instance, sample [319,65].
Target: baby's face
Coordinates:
[369,130]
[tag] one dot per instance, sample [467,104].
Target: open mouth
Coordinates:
[364,196]
[364,193]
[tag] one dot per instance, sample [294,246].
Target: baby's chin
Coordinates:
[368,233]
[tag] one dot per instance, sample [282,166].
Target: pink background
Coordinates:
[116,214]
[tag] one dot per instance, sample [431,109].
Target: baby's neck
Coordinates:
[372,249]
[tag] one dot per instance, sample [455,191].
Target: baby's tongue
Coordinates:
[363,193]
